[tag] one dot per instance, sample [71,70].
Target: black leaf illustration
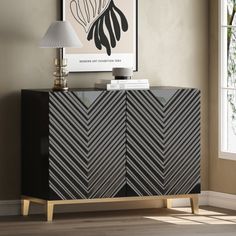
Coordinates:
[103,38]
[116,25]
[102,20]
[109,28]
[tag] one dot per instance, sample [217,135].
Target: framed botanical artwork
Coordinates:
[108,32]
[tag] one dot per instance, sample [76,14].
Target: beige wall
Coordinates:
[173,50]
[222,172]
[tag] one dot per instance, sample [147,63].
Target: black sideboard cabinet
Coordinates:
[86,145]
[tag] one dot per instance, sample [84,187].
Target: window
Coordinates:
[228,80]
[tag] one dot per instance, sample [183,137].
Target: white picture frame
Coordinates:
[108,32]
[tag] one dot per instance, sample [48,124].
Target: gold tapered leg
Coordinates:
[50,207]
[168,203]
[194,204]
[25,207]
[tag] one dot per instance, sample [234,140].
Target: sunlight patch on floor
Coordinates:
[194,220]
[187,210]
[228,218]
[207,220]
[205,217]
[173,220]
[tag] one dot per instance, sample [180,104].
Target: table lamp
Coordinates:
[60,34]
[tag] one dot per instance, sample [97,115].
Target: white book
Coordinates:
[130,81]
[127,86]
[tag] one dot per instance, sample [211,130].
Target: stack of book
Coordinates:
[130,84]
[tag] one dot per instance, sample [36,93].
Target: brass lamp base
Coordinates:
[60,83]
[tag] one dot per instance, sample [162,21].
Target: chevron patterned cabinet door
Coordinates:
[87,144]
[163,142]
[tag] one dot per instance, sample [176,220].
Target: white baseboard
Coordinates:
[206,198]
[222,200]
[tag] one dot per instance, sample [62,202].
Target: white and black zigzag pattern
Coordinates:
[163,143]
[121,143]
[87,145]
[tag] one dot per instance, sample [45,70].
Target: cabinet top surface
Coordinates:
[95,89]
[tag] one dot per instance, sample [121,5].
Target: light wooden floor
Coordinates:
[179,221]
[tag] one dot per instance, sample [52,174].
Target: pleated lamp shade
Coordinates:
[60,34]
